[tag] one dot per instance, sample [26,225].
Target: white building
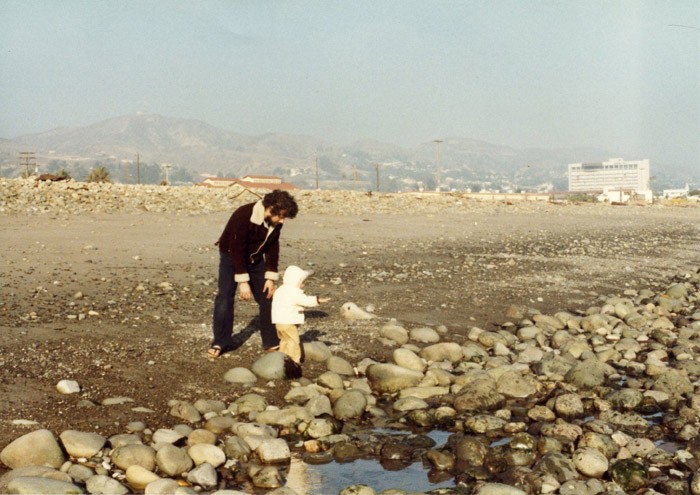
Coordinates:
[631,176]
[676,193]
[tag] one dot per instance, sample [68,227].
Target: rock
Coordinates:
[588,374]
[273,450]
[424,335]
[219,424]
[68,387]
[166,435]
[251,403]
[210,454]
[339,365]
[357,490]
[32,471]
[173,461]
[331,380]
[514,384]
[395,333]
[185,410]
[629,474]
[270,366]
[134,455]
[204,475]
[242,376]
[265,477]
[316,351]
[201,436]
[139,477]
[161,486]
[350,405]
[38,485]
[36,448]
[569,406]
[104,485]
[498,489]
[558,466]
[409,360]
[236,448]
[440,460]
[590,462]
[444,351]
[674,383]
[319,405]
[81,444]
[390,378]
[124,439]
[320,427]
[479,395]
[410,404]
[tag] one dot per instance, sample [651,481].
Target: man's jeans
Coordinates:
[224,303]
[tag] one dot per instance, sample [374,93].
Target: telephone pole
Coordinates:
[28,159]
[167,167]
[437,161]
[317,172]
[138,168]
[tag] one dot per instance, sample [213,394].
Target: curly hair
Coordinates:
[281,203]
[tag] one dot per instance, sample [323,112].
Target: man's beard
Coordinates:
[268,220]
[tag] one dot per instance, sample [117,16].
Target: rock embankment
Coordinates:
[28,196]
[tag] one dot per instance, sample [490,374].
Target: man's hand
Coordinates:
[269,288]
[244,292]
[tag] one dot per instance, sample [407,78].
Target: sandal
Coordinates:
[214,352]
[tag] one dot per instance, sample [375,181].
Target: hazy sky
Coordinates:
[618,75]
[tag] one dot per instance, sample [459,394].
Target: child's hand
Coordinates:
[324,299]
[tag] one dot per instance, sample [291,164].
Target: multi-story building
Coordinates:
[616,174]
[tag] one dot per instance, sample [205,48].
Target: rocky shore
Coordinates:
[547,379]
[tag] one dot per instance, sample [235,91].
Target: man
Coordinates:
[248,256]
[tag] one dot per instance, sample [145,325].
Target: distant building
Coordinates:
[676,193]
[249,182]
[628,178]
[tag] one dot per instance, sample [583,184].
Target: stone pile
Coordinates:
[29,196]
[601,401]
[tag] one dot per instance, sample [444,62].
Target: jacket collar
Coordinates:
[258,215]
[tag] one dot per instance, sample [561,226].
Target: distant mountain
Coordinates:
[204,149]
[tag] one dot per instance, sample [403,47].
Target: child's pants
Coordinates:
[289,341]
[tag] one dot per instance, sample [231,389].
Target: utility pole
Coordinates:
[437,161]
[28,159]
[377,177]
[126,170]
[167,167]
[138,168]
[317,172]
[354,177]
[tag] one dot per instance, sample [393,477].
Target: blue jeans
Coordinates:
[224,303]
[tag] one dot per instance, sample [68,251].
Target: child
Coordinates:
[288,303]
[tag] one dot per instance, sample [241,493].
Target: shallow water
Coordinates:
[332,477]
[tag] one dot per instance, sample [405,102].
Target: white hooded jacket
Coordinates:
[289,300]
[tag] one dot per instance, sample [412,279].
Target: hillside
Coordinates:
[199,148]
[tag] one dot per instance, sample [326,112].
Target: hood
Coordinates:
[294,276]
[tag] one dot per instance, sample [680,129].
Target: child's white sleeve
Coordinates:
[307,301]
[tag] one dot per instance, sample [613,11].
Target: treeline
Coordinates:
[145,173]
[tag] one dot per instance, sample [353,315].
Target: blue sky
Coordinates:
[618,75]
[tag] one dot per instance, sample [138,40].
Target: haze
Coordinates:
[622,76]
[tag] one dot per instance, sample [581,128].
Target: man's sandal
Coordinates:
[214,352]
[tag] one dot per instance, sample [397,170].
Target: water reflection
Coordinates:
[333,476]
